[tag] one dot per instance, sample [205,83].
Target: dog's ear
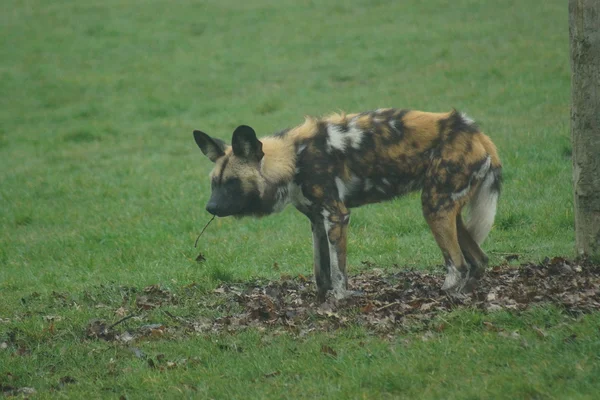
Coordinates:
[211,147]
[245,144]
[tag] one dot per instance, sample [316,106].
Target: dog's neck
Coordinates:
[279,166]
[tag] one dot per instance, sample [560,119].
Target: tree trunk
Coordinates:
[584,33]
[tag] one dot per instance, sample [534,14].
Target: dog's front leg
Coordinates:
[321,256]
[336,221]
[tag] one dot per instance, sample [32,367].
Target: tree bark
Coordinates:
[584,34]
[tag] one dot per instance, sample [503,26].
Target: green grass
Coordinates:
[102,184]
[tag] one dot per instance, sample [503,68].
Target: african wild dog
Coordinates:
[326,166]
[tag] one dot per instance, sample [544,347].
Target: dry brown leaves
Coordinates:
[387,301]
[392,301]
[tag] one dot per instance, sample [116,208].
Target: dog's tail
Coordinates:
[483,204]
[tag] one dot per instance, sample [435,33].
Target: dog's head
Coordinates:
[236,181]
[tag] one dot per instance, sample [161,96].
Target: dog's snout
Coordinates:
[212,208]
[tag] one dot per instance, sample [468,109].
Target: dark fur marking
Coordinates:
[498,180]
[220,178]
[455,124]
[282,132]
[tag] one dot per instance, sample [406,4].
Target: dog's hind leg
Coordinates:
[476,257]
[443,226]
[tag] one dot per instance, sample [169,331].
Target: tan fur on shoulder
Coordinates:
[278,163]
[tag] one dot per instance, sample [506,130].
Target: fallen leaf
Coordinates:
[170,365]
[427,336]
[125,337]
[328,350]
[394,300]
[7,390]
[540,332]
[22,351]
[367,308]
[144,303]
[65,380]
[490,326]
[97,329]
[121,312]
[272,374]
[571,338]
[152,330]
[138,353]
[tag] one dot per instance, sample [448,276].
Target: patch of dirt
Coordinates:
[392,301]
[386,301]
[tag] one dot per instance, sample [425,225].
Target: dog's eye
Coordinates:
[231,182]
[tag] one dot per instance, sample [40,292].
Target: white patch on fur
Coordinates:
[297,197]
[346,188]
[483,210]
[282,198]
[394,126]
[291,193]
[454,281]
[355,134]
[335,138]
[337,278]
[300,149]
[380,189]
[462,193]
[341,187]
[338,139]
[385,181]
[468,120]
[368,185]
[476,176]
[484,168]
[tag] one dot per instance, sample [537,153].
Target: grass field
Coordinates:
[102,188]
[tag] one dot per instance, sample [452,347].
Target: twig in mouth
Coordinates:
[205,226]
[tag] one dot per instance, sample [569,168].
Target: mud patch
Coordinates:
[386,302]
[395,301]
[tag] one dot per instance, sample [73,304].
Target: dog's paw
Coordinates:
[476,272]
[345,294]
[455,281]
